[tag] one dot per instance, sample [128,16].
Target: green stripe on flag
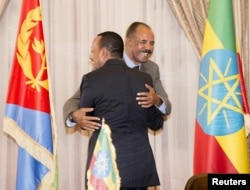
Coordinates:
[220,17]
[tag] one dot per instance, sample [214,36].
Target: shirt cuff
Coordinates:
[69,123]
[162,107]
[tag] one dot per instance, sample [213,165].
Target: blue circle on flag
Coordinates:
[219,105]
[102,165]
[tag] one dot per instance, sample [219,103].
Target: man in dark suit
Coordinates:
[139,47]
[111,90]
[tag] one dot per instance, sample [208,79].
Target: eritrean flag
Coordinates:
[29,117]
[103,173]
[220,140]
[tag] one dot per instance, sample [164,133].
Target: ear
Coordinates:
[128,41]
[105,53]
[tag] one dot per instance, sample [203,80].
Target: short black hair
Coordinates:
[132,28]
[113,42]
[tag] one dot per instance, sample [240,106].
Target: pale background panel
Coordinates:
[69,27]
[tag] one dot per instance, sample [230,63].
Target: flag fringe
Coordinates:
[247,123]
[112,152]
[26,142]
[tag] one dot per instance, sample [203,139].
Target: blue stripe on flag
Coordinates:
[35,123]
[30,172]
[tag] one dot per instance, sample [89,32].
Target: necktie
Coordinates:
[136,67]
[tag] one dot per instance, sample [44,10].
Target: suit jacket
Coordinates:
[152,69]
[112,90]
[149,67]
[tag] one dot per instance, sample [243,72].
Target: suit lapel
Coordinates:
[143,68]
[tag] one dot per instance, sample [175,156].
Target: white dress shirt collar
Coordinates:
[129,62]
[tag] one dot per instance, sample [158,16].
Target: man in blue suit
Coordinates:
[111,89]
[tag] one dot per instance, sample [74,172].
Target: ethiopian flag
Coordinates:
[220,140]
[103,173]
[29,117]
